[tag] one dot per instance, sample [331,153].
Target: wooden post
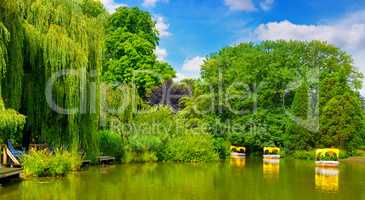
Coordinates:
[5,155]
[1,155]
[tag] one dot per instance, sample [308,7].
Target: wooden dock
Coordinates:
[9,172]
[106,159]
[85,163]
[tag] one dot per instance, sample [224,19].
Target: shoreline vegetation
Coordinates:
[60,163]
[80,79]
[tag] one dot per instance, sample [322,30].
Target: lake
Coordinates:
[236,179]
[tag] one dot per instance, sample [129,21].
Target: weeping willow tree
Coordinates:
[11,122]
[12,35]
[54,40]
[4,39]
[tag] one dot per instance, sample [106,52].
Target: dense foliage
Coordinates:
[191,148]
[43,163]
[131,38]
[11,124]
[46,38]
[297,95]
[143,133]
[111,143]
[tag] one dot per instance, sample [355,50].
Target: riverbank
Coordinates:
[359,158]
[355,159]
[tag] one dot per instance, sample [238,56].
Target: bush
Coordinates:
[147,133]
[303,155]
[42,163]
[347,154]
[236,138]
[142,143]
[191,148]
[35,163]
[145,148]
[222,147]
[11,124]
[58,165]
[111,144]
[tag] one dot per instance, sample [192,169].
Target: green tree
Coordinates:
[341,121]
[129,58]
[252,85]
[93,8]
[48,37]
[300,108]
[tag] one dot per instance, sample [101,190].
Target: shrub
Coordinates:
[145,148]
[42,163]
[347,154]
[111,144]
[236,138]
[149,157]
[36,163]
[221,147]
[59,163]
[11,124]
[303,155]
[147,134]
[191,148]
[141,143]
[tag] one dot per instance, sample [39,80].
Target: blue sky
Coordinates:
[192,29]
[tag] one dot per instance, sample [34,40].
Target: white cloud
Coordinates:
[359,60]
[152,3]
[149,3]
[348,36]
[191,67]
[111,5]
[266,4]
[240,5]
[348,33]
[193,64]
[161,53]
[179,77]
[162,26]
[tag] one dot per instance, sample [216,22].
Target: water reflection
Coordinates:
[238,162]
[326,179]
[271,168]
[180,181]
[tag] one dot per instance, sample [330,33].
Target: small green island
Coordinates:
[88,110]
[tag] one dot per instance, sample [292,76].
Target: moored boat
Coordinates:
[271,153]
[328,157]
[238,152]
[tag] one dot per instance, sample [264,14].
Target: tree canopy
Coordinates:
[131,38]
[292,94]
[47,37]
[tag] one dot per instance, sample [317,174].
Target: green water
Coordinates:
[289,180]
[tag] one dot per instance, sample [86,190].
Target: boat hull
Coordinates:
[272,156]
[327,163]
[238,155]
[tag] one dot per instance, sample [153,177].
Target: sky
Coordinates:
[191,30]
